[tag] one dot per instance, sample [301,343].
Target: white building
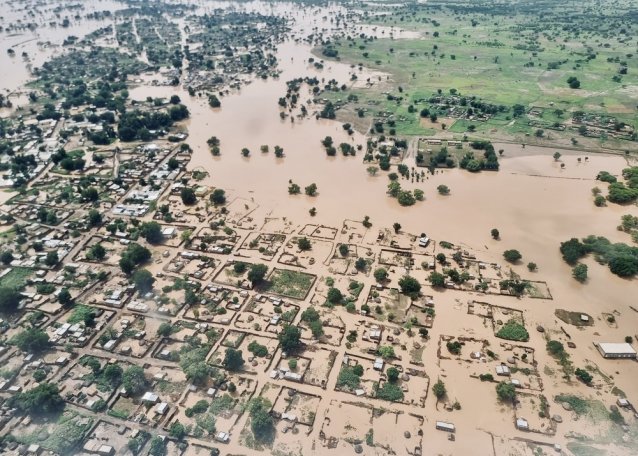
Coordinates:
[615,350]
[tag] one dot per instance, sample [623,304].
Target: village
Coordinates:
[163,310]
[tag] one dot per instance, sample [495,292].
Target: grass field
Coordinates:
[16,278]
[498,57]
[288,283]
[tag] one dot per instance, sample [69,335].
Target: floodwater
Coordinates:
[44,41]
[533,202]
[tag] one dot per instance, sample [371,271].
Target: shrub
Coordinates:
[512,330]
[390,392]
[579,272]
[584,376]
[512,255]
[454,347]
[506,391]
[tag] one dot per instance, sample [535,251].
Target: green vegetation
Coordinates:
[233,359]
[390,392]
[621,259]
[293,284]
[513,330]
[290,338]
[583,376]
[485,69]
[65,433]
[9,299]
[349,377]
[512,255]
[410,286]
[557,350]
[261,423]
[31,340]
[439,390]
[257,349]
[454,347]
[579,272]
[44,398]
[134,380]
[506,391]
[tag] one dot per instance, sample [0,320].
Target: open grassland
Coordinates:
[504,56]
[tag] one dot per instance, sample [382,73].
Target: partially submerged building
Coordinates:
[616,350]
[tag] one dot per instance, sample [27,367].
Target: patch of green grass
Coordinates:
[593,409]
[512,330]
[390,392]
[16,278]
[292,284]
[580,449]
[119,414]
[62,436]
[573,318]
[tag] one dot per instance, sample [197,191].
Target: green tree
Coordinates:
[555,348]
[579,272]
[218,197]
[39,375]
[304,243]
[134,380]
[584,376]
[188,196]
[439,390]
[443,189]
[573,250]
[495,233]
[97,252]
[311,190]
[393,374]
[334,295]
[152,232]
[380,275]
[165,329]
[436,279]
[9,299]
[397,227]
[113,374]
[31,340]
[90,194]
[94,218]
[409,286]
[157,446]
[261,422]
[44,398]
[51,259]
[126,265]
[64,297]
[143,280]
[177,430]
[512,255]
[6,257]
[233,359]
[506,391]
[257,273]
[290,338]
[386,351]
